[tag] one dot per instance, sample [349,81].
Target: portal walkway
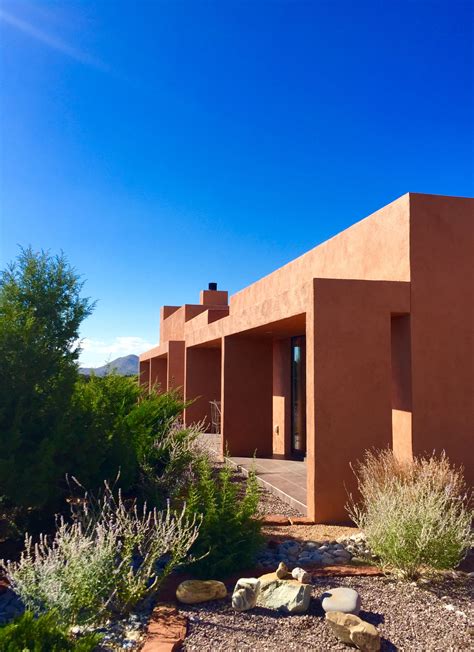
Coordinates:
[286,479]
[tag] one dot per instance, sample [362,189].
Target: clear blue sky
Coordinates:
[163,145]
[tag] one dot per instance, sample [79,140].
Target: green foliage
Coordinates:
[229,534]
[106,560]
[40,314]
[118,426]
[43,634]
[99,430]
[415,514]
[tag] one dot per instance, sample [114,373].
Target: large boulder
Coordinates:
[341,599]
[194,591]
[245,593]
[289,596]
[352,630]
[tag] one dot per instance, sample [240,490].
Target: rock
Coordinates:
[358,538]
[327,559]
[289,550]
[166,629]
[282,571]
[352,630]
[194,591]
[275,519]
[301,575]
[340,625]
[311,545]
[289,596]
[366,637]
[133,634]
[245,593]
[341,599]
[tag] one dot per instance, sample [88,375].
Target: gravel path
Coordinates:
[409,617]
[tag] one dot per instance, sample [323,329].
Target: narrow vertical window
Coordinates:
[401,386]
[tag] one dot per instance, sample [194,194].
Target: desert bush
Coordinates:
[230,532]
[414,514]
[106,559]
[43,634]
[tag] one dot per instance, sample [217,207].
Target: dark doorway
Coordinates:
[298,396]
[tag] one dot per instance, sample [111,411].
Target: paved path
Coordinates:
[284,478]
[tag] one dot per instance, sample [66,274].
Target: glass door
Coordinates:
[298,396]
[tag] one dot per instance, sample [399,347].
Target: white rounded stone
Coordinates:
[341,599]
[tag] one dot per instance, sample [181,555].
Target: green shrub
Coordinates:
[43,634]
[229,535]
[415,515]
[119,426]
[99,431]
[107,559]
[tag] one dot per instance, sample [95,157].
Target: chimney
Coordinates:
[213,297]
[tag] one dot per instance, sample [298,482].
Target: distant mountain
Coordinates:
[125,366]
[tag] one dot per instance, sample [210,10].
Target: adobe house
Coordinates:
[366,340]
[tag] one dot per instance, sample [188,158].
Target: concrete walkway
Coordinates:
[284,478]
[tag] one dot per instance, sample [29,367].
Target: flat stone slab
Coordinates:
[343,570]
[341,599]
[166,630]
[275,519]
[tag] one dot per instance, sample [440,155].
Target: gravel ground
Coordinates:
[409,617]
[271,504]
[318,532]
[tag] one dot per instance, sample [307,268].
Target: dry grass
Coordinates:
[415,515]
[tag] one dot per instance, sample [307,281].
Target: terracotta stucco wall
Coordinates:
[442,326]
[349,384]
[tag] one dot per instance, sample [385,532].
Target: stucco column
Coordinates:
[159,374]
[247,396]
[144,375]
[176,365]
[350,378]
[202,383]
